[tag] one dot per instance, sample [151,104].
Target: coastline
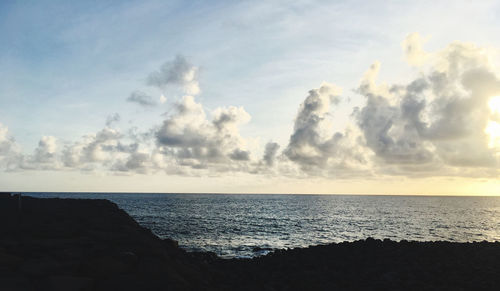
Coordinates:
[78,244]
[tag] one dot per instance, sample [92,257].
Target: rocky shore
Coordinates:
[73,244]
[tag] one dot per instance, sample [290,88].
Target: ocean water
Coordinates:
[253,225]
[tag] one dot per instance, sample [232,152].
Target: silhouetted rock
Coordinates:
[54,243]
[70,283]
[71,244]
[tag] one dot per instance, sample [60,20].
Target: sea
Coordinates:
[249,225]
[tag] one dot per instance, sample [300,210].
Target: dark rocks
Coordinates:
[8,261]
[52,244]
[40,266]
[105,266]
[70,283]
[70,244]
[4,196]
[171,243]
[14,282]
[128,257]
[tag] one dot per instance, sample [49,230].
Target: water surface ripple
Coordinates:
[251,225]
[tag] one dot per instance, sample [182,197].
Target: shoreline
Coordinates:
[79,244]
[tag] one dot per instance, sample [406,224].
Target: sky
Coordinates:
[326,97]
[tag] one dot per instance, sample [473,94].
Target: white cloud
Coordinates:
[46,150]
[10,155]
[439,123]
[412,47]
[435,124]
[6,142]
[314,146]
[163,99]
[93,151]
[197,142]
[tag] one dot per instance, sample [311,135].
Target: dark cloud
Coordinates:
[393,131]
[178,72]
[239,155]
[136,162]
[270,153]
[307,146]
[142,99]
[113,118]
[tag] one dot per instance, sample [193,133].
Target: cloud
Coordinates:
[228,118]
[46,150]
[94,150]
[10,155]
[136,161]
[392,131]
[435,124]
[6,142]
[271,150]
[187,143]
[313,146]
[142,99]
[307,142]
[114,118]
[44,156]
[109,150]
[412,47]
[439,123]
[186,128]
[240,155]
[163,99]
[178,72]
[197,142]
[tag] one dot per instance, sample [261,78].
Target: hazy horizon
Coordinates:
[244,193]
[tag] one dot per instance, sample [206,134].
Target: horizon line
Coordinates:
[240,193]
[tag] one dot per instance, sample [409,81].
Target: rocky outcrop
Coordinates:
[71,244]
[55,244]
[375,265]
